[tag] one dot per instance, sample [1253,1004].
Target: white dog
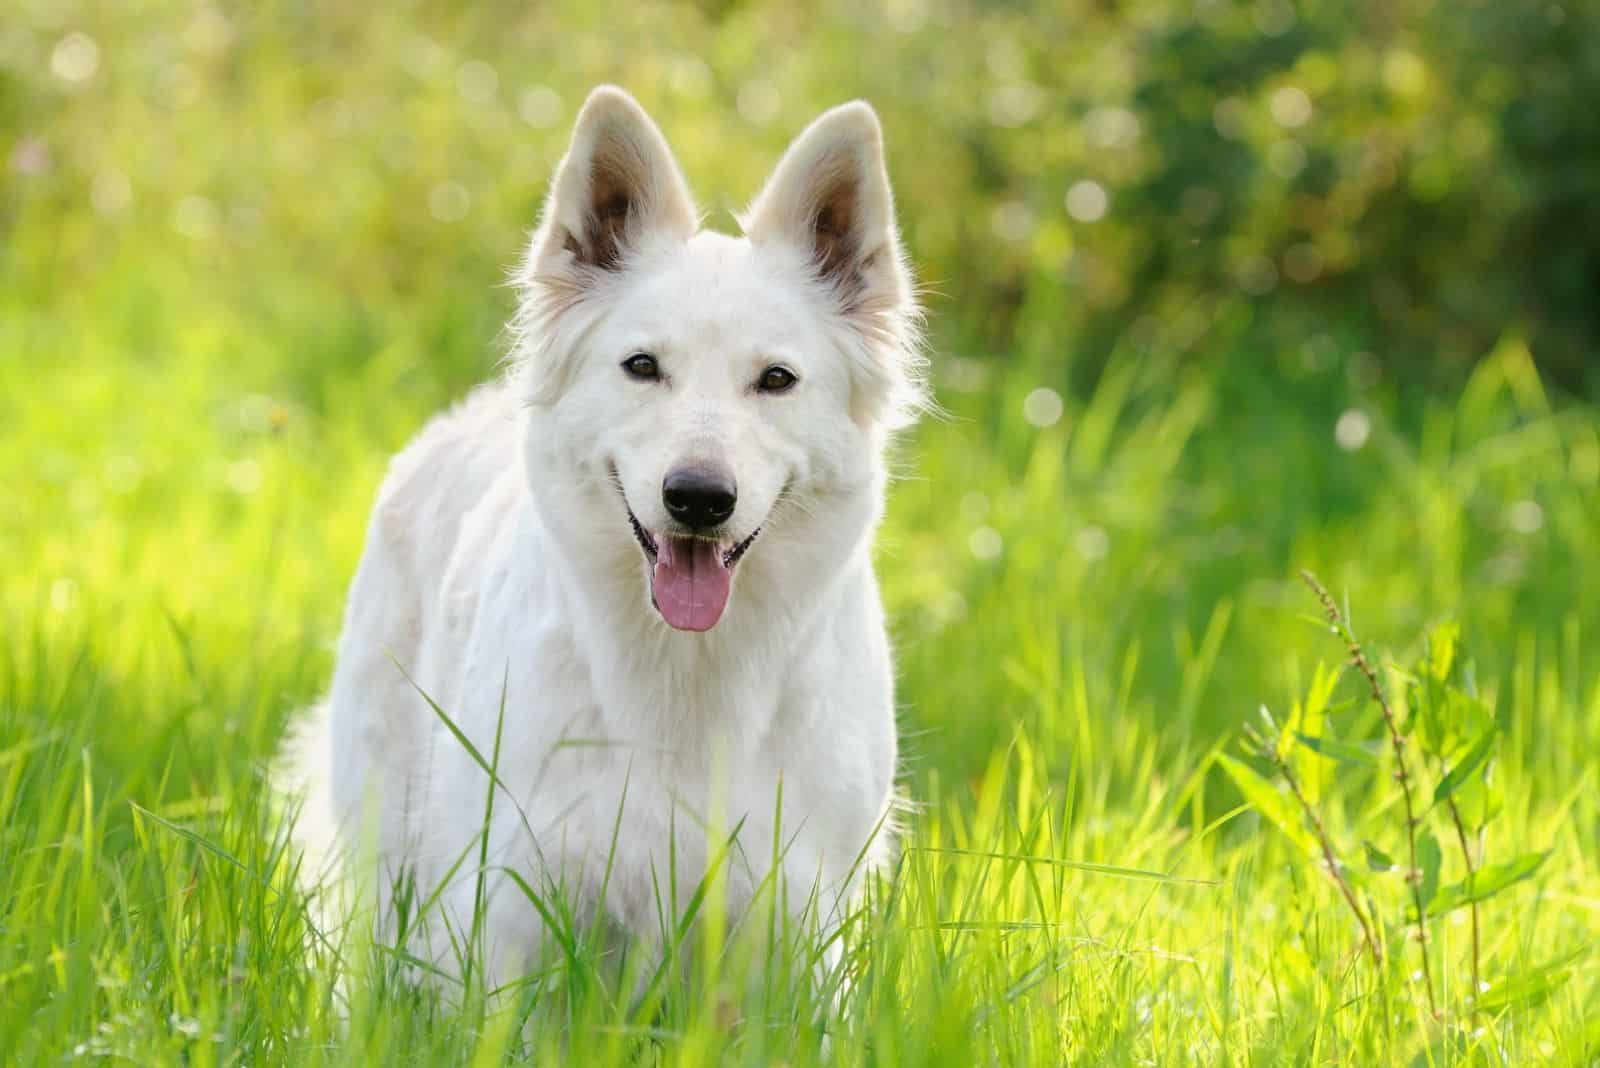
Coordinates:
[636,575]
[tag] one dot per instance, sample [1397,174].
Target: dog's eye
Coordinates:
[776,379]
[643,366]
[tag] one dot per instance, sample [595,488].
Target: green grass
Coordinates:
[196,405]
[1063,703]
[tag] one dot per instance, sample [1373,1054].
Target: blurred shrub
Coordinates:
[1397,180]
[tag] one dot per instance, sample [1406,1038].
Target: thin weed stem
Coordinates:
[1466,856]
[1331,858]
[1402,774]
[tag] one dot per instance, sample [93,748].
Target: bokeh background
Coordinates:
[1405,179]
[1216,291]
[1230,265]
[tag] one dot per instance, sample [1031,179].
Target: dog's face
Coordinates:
[700,398]
[708,392]
[703,398]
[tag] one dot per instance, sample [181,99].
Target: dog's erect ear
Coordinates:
[616,193]
[830,198]
[617,187]
[829,203]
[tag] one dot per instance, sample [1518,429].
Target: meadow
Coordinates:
[244,257]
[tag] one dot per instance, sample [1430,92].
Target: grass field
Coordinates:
[1092,578]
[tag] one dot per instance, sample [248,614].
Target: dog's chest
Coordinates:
[598,741]
[625,772]
[652,822]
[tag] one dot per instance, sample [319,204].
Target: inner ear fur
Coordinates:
[829,197]
[617,187]
[612,201]
[834,242]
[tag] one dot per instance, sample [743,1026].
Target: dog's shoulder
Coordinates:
[436,480]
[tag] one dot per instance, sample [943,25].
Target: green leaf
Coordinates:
[1377,859]
[1412,704]
[1531,986]
[1441,713]
[1484,883]
[1442,641]
[1429,858]
[1492,798]
[1467,716]
[1274,806]
[1309,719]
[1476,756]
[1342,752]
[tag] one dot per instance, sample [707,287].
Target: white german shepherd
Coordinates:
[639,569]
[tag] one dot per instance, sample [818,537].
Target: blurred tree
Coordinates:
[1394,183]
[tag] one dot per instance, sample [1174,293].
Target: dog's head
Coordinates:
[703,399]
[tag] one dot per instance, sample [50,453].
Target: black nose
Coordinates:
[699,497]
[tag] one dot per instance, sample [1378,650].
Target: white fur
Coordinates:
[500,566]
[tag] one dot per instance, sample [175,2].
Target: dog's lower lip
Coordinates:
[732,556]
[646,542]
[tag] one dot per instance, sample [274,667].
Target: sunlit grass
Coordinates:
[1064,697]
[226,300]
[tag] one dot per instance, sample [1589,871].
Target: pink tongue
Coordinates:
[690,583]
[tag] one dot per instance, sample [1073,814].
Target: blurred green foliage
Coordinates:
[1404,179]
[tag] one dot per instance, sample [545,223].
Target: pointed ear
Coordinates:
[617,188]
[829,199]
[828,204]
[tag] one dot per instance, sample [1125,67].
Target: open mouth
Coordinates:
[690,576]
